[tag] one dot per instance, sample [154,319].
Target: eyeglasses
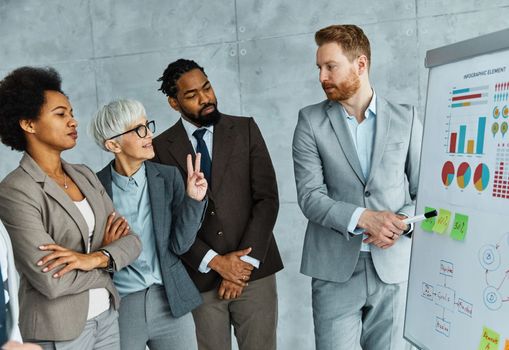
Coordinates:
[141,130]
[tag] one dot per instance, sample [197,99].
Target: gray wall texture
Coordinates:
[260,58]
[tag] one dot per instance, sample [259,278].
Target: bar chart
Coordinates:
[466,97]
[460,143]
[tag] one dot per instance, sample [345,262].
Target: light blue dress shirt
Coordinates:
[363,136]
[208,138]
[132,200]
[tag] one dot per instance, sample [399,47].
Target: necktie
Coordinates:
[3,315]
[201,147]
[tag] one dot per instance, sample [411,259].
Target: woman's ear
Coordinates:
[112,146]
[27,125]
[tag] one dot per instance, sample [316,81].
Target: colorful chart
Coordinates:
[496,112]
[448,173]
[464,175]
[481,177]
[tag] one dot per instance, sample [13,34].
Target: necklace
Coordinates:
[65,182]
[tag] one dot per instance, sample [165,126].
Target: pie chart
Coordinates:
[448,173]
[464,175]
[481,177]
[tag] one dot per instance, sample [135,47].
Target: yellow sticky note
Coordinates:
[442,221]
[489,339]
[427,225]
[459,227]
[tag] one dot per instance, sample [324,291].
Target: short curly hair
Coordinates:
[21,98]
[172,74]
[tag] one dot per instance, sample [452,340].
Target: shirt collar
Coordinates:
[138,178]
[370,111]
[190,128]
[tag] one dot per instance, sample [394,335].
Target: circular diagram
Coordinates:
[496,112]
[505,112]
[492,298]
[464,174]
[481,177]
[448,173]
[489,257]
[494,128]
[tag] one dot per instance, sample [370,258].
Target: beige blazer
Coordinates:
[36,211]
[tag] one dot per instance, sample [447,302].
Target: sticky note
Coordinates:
[489,339]
[442,221]
[459,227]
[427,225]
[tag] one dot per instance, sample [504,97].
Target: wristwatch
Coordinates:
[111,263]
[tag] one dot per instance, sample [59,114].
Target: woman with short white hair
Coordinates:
[157,292]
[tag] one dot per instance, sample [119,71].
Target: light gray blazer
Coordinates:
[330,186]
[36,211]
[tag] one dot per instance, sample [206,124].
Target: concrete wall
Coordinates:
[260,58]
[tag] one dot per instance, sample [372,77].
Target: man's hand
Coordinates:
[231,268]
[382,227]
[14,345]
[196,183]
[229,290]
[115,229]
[70,259]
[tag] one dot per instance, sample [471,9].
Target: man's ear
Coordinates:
[27,125]
[174,103]
[112,146]
[362,64]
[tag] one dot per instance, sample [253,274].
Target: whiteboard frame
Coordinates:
[462,50]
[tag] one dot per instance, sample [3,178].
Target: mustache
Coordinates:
[326,86]
[207,106]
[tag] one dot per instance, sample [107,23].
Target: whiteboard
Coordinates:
[458,289]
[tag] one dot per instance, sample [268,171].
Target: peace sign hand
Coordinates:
[196,182]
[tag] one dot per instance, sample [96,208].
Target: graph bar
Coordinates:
[470,147]
[468,104]
[477,88]
[468,97]
[452,146]
[481,126]
[461,143]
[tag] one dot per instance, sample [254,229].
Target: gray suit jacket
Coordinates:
[176,220]
[330,186]
[36,211]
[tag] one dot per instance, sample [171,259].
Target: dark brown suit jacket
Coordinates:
[243,197]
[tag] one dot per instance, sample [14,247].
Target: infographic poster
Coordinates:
[458,291]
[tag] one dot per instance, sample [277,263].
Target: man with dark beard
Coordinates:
[356,162]
[235,243]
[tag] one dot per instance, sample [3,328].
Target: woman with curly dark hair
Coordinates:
[65,236]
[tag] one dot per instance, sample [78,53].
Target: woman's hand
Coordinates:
[70,259]
[114,229]
[196,183]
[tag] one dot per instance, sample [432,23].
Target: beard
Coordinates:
[344,90]
[201,119]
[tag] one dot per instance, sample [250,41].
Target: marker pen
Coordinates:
[421,217]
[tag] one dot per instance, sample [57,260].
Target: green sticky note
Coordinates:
[427,225]
[489,339]
[442,221]
[460,226]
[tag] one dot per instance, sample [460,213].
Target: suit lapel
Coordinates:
[93,199]
[339,123]
[54,191]
[158,200]
[222,148]
[383,120]
[180,146]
